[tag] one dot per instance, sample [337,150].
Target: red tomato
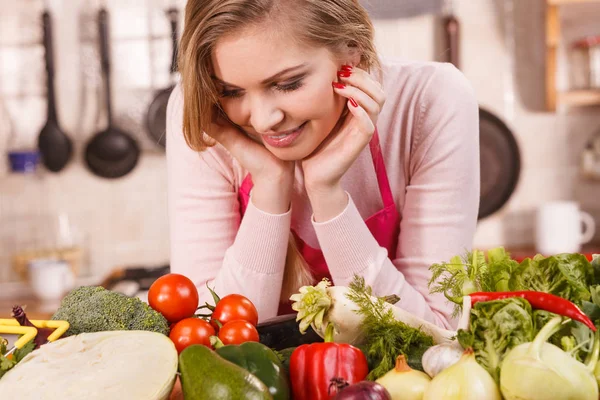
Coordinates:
[238,332]
[174,296]
[191,331]
[233,307]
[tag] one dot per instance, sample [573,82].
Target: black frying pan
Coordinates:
[500,160]
[111,153]
[156,119]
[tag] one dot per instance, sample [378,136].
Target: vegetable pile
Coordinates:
[527,331]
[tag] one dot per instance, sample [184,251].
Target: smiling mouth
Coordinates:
[286,133]
[284,139]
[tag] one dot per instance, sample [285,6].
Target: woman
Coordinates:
[294,155]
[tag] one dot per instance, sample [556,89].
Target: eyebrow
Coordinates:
[268,80]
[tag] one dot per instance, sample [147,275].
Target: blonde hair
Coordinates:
[332,24]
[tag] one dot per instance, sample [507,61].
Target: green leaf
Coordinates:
[498,326]
[23,351]
[386,338]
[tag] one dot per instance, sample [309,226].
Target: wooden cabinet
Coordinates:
[572,97]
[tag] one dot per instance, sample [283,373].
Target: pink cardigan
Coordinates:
[429,131]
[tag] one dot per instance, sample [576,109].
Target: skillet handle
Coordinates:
[173,14]
[452,36]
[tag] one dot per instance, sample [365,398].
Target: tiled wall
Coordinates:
[124,222]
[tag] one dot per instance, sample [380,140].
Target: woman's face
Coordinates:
[279,93]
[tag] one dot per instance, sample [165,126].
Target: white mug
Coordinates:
[50,279]
[561,227]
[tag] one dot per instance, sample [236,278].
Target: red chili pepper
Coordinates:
[313,368]
[540,301]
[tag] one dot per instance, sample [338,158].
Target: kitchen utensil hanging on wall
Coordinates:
[55,146]
[111,153]
[156,118]
[590,158]
[500,160]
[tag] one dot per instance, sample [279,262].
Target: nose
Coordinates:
[265,115]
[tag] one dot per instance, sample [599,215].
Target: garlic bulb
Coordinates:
[465,380]
[439,357]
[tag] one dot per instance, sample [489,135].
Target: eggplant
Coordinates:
[364,390]
[283,332]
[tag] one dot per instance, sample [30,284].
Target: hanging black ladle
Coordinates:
[111,153]
[55,146]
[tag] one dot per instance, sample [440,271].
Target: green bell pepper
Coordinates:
[260,361]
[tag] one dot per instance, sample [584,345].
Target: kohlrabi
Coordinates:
[539,370]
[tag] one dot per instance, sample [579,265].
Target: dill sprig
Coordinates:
[459,277]
[386,337]
[470,273]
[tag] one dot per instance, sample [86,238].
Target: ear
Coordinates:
[353,55]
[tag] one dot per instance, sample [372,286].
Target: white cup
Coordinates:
[50,279]
[561,227]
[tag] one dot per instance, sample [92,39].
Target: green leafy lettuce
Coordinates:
[565,275]
[496,327]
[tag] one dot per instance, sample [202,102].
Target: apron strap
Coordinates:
[380,171]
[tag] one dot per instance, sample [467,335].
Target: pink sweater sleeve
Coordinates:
[209,243]
[440,210]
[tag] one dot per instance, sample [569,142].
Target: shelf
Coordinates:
[566,2]
[571,98]
[580,97]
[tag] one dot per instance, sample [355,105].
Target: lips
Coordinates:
[284,139]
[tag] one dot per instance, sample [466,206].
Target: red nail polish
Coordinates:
[353,102]
[346,67]
[344,74]
[338,85]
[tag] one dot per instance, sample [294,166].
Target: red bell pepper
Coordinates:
[541,301]
[317,368]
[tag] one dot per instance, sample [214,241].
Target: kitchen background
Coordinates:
[516,54]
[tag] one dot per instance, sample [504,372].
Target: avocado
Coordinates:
[206,375]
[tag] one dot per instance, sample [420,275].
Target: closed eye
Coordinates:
[230,93]
[290,86]
[286,87]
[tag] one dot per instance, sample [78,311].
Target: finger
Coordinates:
[228,135]
[363,119]
[364,81]
[365,101]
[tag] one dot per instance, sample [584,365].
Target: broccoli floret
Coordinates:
[95,309]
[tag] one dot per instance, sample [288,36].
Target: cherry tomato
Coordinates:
[190,331]
[233,307]
[175,296]
[238,332]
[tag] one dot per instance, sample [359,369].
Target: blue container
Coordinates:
[24,161]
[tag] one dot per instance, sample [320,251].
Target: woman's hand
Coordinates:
[323,170]
[273,178]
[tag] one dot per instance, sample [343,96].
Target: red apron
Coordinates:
[384,224]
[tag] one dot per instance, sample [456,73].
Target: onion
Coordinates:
[465,380]
[94,366]
[403,382]
[364,390]
[541,370]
